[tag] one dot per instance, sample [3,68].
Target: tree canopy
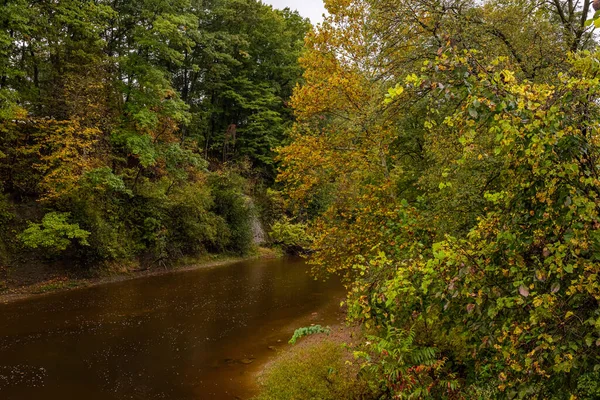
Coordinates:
[445,155]
[140,123]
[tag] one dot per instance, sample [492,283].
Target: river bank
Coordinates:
[16,291]
[319,366]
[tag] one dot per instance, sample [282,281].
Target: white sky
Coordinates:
[313,9]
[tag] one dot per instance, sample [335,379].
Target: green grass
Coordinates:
[319,371]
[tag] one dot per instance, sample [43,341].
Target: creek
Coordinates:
[197,334]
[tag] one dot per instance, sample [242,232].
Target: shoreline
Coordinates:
[290,360]
[64,284]
[339,333]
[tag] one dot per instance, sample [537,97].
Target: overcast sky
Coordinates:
[312,9]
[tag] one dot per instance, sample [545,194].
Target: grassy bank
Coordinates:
[319,366]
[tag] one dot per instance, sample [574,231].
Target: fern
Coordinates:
[400,364]
[308,330]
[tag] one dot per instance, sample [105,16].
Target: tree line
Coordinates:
[137,129]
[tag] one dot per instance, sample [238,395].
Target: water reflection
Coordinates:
[190,335]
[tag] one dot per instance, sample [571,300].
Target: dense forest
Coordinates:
[139,130]
[441,157]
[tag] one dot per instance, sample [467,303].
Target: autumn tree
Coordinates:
[427,135]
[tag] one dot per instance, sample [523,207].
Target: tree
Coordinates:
[238,77]
[428,138]
[124,113]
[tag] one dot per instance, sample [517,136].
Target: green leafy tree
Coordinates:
[238,77]
[130,115]
[54,233]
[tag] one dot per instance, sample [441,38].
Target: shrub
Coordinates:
[54,233]
[292,237]
[235,208]
[306,331]
[6,230]
[402,368]
[191,226]
[108,214]
[588,386]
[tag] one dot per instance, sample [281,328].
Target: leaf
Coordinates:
[523,291]
[569,268]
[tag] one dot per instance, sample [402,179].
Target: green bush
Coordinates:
[231,204]
[396,359]
[190,225]
[315,372]
[292,237]
[271,204]
[108,212]
[157,221]
[55,233]
[163,220]
[484,390]
[588,386]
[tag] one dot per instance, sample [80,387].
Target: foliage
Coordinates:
[292,237]
[314,372]
[523,270]
[238,79]
[54,233]
[462,155]
[65,157]
[306,331]
[130,116]
[405,371]
[588,386]
[7,216]
[236,209]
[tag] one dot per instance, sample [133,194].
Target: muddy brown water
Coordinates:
[200,334]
